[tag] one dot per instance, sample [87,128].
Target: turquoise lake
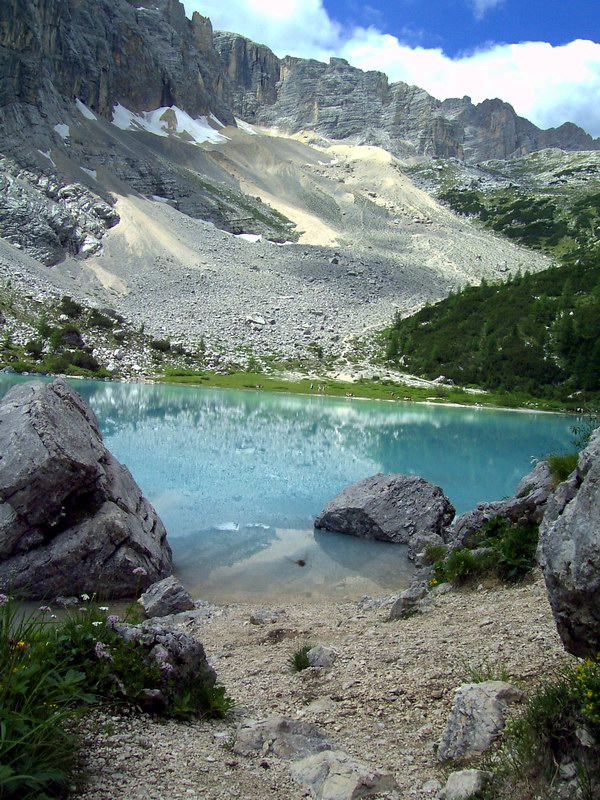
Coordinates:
[238,477]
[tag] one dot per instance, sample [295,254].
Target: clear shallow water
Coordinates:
[238,477]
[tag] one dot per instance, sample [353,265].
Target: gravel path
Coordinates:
[385,700]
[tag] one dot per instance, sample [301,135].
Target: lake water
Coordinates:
[238,477]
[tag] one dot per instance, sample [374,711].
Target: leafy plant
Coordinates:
[69,307]
[39,695]
[560,725]
[298,660]
[499,549]
[486,671]
[562,465]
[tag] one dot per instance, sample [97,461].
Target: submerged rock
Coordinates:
[72,519]
[569,552]
[388,507]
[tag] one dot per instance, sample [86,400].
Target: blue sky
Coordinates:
[542,56]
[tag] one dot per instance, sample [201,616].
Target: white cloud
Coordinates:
[481,7]
[548,85]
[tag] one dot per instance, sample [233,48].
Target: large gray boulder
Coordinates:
[525,507]
[479,713]
[388,507]
[72,519]
[569,552]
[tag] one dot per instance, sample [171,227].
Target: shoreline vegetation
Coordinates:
[366,389]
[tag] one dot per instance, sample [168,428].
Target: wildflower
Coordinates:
[4,598]
[590,694]
[85,597]
[102,608]
[45,609]
[112,620]
[83,610]
[21,645]
[96,623]
[139,571]
[101,651]
[166,667]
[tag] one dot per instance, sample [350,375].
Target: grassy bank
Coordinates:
[393,391]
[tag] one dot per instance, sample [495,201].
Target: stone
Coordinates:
[335,775]
[526,507]
[166,597]
[408,600]
[94,532]
[279,736]
[569,553]
[420,542]
[391,508]
[479,713]
[465,784]
[180,657]
[321,657]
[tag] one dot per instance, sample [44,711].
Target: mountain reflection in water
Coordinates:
[238,477]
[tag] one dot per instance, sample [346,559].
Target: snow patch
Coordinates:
[168,121]
[91,172]
[84,110]
[62,130]
[157,198]
[243,126]
[249,237]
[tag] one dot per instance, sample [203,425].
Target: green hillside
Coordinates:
[538,333]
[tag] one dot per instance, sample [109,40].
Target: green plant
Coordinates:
[582,432]
[120,670]
[486,671]
[162,345]
[298,659]
[562,465]
[39,695]
[99,320]
[34,347]
[69,307]
[560,725]
[433,553]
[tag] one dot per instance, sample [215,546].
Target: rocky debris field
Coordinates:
[371,245]
[385,700]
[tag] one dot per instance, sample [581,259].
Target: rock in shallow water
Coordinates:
[72,519]
[388,507]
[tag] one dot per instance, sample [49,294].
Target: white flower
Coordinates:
[85,597]
[96,623]
[102,608]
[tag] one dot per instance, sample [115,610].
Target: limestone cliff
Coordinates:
[143,54]
[342,102]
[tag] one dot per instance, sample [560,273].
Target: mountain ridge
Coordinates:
[146,54]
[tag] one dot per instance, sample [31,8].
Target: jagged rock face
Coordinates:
[46,218]
[143,54]
[569,553]
[342,102]
[72,519]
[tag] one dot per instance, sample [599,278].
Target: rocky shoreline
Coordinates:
[385,700]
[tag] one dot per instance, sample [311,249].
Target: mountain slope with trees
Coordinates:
[536,334]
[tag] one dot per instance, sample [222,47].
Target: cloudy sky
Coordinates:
[543,56]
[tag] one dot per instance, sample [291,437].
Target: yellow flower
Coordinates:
[590,694]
